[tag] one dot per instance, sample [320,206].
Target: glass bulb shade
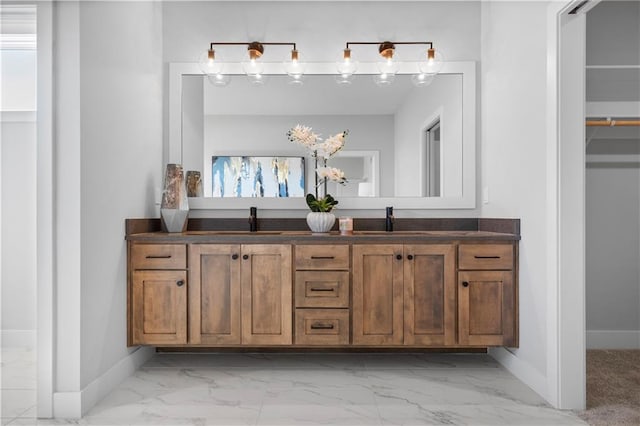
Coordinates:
[253,67]
[296,79]
[384,79]
[431,65]
[294,68]
[208,64]
[344,79]
[219,80]
[257,79]
[347,67]
[422,80]
[387,66]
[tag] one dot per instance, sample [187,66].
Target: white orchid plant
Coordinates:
[320,151]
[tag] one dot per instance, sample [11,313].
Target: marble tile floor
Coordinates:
[17,385]
[321,389]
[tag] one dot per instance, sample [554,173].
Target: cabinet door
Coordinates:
[159,303]
[377,294]
[429,295]
[214,296]
[486,308]
[266,294]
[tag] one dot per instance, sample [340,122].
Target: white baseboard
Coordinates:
[613,339]
[73,405]
[19,339]
[523,371]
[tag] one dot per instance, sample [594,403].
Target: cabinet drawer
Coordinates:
[485,256]
[322,289]
[322,326]
[158,256]
[322,257]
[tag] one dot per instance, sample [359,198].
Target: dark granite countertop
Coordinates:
[334,237]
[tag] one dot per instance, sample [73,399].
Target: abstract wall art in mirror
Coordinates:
[257,177]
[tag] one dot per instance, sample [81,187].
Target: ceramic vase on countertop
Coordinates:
[320,222]
[174,209]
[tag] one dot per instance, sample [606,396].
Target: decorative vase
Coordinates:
[194,183]
[174,209]
[320,222]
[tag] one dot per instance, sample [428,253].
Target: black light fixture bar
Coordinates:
[249,44]
[389,42]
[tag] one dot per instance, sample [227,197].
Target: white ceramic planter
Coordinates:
[320,222]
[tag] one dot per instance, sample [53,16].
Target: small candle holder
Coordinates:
[345,224]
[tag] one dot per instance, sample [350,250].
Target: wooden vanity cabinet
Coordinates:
[487,297]
[429,295]
[334,291]
[214,297]
[322,290]
[377,294]
[404,294]
[158,297]
[240,294]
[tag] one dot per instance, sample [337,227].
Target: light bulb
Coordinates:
[219,79]
[384,79]
[422,80]
[208,64]
[433,62]
[294,68]
[347,66]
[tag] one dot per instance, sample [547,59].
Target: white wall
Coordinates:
[121,131]
[442,101]
[18,228]
[613,255]
[267,135]
[109,160]
[514,166]
[18,169]
[321,30]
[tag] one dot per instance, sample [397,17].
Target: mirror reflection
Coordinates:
[404,141]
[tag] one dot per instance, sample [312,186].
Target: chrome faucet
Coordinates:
[253,219]
[388,226]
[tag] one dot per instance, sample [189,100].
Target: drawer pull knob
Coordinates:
[321,289]
[410,257]
[180,283]
[487,257]
[399,256]
[322,257]
[234,257]
[159,256]
[245,256]
[322,326]
[465,284]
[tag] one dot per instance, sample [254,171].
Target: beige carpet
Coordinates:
[613,388]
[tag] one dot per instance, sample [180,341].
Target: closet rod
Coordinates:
[613,123]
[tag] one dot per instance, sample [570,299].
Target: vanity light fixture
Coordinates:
[428,66]
[254,67]
[346,68]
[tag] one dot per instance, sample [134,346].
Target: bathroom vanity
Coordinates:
[432,283]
